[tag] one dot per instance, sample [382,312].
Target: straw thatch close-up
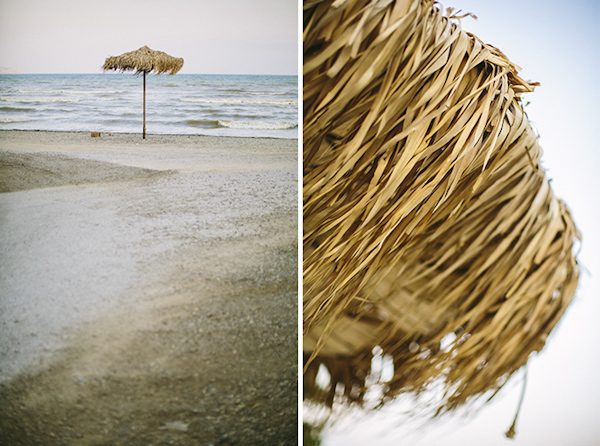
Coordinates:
[431,233]
[144,60]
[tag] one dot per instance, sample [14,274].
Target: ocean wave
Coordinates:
[258,125]
[70,91]
[16,109]
[238,101]
[38,100]
[203,123]
[11,120]
[254,93]
[267,93]
[39,91]
[93,92]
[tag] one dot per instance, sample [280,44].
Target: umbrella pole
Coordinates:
[144,128]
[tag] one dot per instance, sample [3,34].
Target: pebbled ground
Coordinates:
[148,291]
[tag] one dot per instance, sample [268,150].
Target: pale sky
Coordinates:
[213,36]
[556,43]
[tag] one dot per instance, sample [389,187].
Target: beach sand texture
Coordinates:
[148,289]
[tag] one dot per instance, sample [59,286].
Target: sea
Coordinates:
[189,104]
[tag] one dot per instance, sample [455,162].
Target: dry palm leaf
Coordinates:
[430,228]
[144,60]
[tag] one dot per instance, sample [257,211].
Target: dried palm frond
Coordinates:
[430,229]
[144,60]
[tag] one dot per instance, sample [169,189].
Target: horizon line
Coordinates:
[204,74]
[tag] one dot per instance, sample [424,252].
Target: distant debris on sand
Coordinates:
[4,70]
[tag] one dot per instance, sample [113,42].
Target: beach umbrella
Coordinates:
[144,61]
[433,242]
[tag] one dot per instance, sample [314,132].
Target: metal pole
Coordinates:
[144,133]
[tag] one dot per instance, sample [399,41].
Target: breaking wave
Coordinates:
[202,123]
[258,125]
[238,101]
[71,92]
[39,100]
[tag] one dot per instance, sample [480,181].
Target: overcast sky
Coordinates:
[557,44]
[213,36]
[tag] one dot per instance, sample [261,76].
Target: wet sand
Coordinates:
[148,290]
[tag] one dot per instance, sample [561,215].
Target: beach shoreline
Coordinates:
[185,153]
[151,289]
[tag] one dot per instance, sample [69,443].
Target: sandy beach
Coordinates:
[148,289]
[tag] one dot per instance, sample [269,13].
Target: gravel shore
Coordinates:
[148,290]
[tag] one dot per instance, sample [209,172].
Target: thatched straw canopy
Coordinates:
[144,60]
[431,230]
